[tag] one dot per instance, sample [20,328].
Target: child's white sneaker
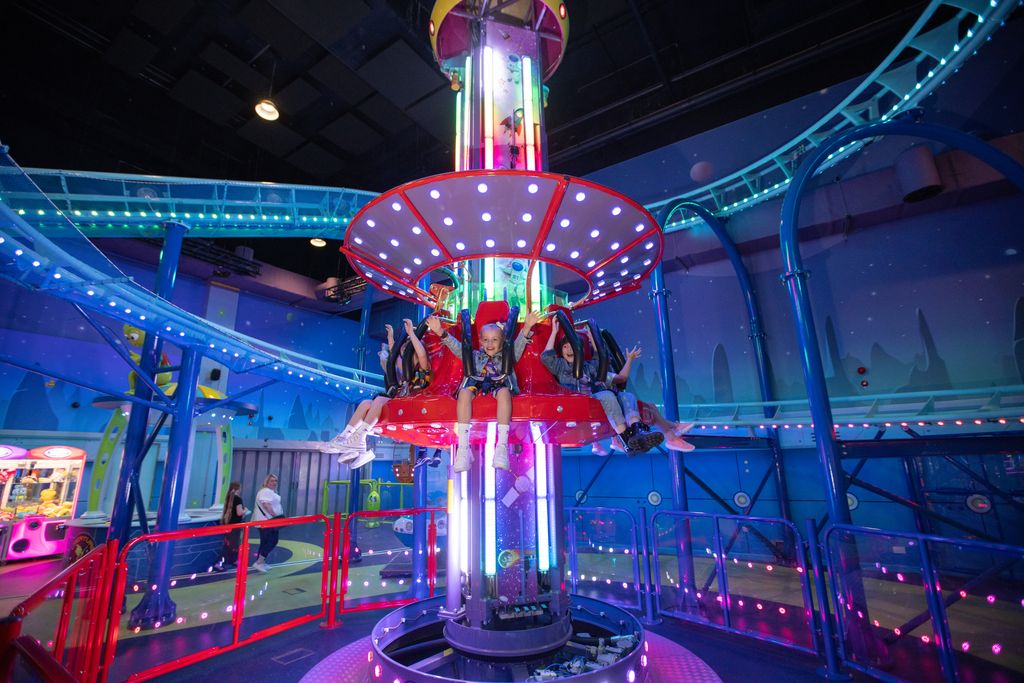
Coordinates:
[348,453]
[501,457]
[597,448]
[461,463]
[362,459]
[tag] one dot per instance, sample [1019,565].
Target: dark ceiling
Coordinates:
[168,86]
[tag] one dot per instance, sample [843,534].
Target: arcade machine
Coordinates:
[38,494]
[507,615]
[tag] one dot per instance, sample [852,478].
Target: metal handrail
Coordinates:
[120,577]
[722,568]
[346,550]
[937,604]
[634,547]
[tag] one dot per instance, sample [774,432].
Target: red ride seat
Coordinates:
[426,418]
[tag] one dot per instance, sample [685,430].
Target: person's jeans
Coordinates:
[268,541]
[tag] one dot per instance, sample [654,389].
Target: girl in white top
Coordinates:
[268,506]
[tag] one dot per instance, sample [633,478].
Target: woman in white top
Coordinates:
[268,506]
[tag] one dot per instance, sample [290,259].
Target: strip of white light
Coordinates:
[464,522]
[540,471]
[467,117]
[458,131]
[531,153]
[490,522]
[488,78]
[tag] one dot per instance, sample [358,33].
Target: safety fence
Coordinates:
[53,630]
[603,555]
[908,609]
[169,599]
[742,574]
[379,567]
[897,606]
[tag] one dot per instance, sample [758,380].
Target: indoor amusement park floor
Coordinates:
[292,588]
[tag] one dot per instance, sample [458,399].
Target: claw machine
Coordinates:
[39,493]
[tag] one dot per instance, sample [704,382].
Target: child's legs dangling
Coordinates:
[504,414]
[504,398]
[373,412]
[630,407]
[612,410]
[464,415]
[360,412]
[464,408]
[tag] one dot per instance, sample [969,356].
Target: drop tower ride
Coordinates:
[506,615]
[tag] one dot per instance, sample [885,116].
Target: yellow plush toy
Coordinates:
[134,336]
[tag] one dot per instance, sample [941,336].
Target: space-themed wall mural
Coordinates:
[920,304]
[51,335]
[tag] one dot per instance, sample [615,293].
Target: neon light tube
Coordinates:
[464,523]
[490,286]
[488,78]
[531,162]
[467,115]
[458,131]
[454,520]
[535,293]
[490,523]
[540,463]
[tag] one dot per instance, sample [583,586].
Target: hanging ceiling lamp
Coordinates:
[265,108]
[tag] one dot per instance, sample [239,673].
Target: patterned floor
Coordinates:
[669,662]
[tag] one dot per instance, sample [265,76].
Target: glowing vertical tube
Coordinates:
[488,78]
[464,523]
[490,521]
[531,161]
[535,284]
[467,114]
[490,285]
[540,464]
[454,521]
[458,131]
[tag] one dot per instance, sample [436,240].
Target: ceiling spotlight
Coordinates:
[267,110]
[318,242]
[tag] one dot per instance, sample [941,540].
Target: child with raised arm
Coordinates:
[485,377]
[620,407]
[351,442]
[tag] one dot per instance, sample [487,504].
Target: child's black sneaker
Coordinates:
[638,440]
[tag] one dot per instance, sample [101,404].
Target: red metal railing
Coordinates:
[72,652]
[238,608]
[346,548]
[85,637]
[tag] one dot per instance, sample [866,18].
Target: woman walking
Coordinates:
[234,512]
[268,506]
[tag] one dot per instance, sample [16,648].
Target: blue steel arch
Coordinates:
[795,277]
[757,335]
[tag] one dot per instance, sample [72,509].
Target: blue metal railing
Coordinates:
[907,559]
[576,514]
[721,552]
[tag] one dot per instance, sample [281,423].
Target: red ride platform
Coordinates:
[542,411]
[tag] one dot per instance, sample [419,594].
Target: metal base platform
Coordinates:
[668,661]
[413,635]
